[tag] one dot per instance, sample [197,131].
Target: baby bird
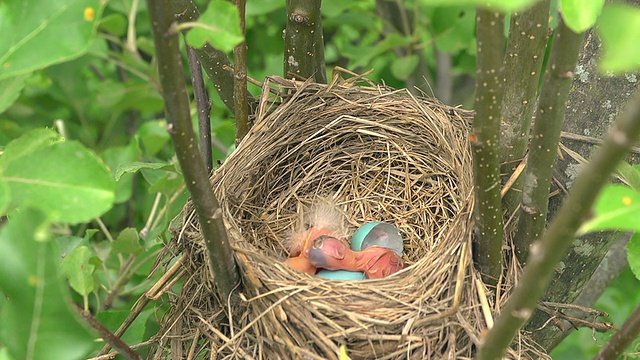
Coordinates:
[323,218]
[333,254]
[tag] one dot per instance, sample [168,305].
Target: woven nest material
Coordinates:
[381,155]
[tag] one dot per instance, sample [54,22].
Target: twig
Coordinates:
[240,79]
[545,137]
[485,144]
[108,336]
[174,91]
[203,105]
[621,339]
[303,41]
[555,242]
[591,140]
[115,353]
[122,279]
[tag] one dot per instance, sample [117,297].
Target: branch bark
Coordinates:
[545,137]
[213,60]
[174,92]
[240,91]
[303,41]
[554,244]
[528,34]
[203,106]
[485,144]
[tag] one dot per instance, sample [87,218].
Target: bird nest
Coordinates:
[380,154]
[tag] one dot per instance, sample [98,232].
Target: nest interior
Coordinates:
[382,155]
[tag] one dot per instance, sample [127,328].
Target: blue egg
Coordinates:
[359,235]
[341,275]
[378,233]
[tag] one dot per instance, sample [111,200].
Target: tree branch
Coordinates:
[545,137]
[203,105]
[303,41]
[213,60]
[553,245]
[240,79]
[525,51]
[621,339]
[174,92]
[485,144]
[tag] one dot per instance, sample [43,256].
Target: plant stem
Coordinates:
[553,245]
[115,342]
[213,60]
[303,41]
[545,137]
[240,79]
[485,143]
[525,51]
[621,339]
[174,92]
[203,106]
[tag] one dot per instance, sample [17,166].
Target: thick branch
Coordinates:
[174,92]
[525,51]
[240,79]
[553,246]
[213,60]
[203,105]
[303,41]
[485,143]
[545,137]
[620,340]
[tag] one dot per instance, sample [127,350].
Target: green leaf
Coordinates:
[580,15]
[39,33]
[500,5]
[633,254]
[154,136]
[79,270]
[128,242]
[11,89]
[5,197]
[219,25]
[619,29]
[114,157]
[630,174]
[65,179]
[617,208]
[35,319]
[28,143]
[137,166]
[403,67]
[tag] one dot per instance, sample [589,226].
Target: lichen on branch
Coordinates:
[303,41]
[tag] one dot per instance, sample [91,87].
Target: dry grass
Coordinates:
[381,154]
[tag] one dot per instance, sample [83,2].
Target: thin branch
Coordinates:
[213,60]
[240,79]
[528,34]
[485,143]
[554,244]
[108,336]
[621,339]
[203,106]
[545,137]
[174,92]
[303,41]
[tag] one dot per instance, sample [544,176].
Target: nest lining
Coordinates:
[382,155]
